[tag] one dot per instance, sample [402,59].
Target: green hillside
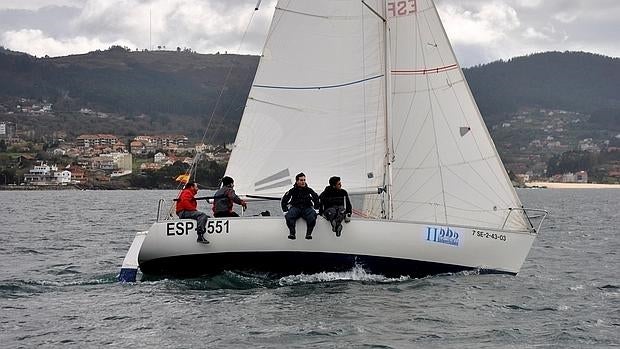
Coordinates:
[537,107]
[167,87]
[574,81]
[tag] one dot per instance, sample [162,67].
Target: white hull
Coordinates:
[388,247]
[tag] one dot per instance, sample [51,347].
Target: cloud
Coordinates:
[204,26]
[35,42]
[531,33]
[501,29]
[529,3]
[36,4]
[480,30]
[489,24]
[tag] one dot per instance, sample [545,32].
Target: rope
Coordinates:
[193,167]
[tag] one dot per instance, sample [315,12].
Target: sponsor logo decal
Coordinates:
[442,235]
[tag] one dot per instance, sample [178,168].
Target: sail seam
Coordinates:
[319,87]
[301,13]
[425,71]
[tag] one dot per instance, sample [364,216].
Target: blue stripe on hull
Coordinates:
[288,263]
[127,275]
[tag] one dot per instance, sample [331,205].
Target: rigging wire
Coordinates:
[193,166]
[192,169]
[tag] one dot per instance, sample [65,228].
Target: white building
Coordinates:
[63,177]
[44,174]
[159,157]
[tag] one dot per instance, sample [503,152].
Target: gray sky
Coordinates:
[481,31]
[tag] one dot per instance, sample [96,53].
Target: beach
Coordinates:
[556,185]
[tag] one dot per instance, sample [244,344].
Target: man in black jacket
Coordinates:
[300,201]
[335,204]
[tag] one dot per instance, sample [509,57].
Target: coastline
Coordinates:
[555,185]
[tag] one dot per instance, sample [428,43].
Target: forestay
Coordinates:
[322,98]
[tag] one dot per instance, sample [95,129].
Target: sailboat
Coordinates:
[370,91]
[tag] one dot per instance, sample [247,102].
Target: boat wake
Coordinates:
[356,274]
[246,280]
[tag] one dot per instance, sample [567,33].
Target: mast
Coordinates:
[387,180]
[388,149]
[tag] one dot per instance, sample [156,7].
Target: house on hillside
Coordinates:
[44,174]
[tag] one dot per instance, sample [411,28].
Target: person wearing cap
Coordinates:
[224,199]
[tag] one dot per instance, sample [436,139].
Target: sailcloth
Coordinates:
[446,168]
[317,102]
[372,92]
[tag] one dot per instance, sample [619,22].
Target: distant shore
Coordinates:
[555,185]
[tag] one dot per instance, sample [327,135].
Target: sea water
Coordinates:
[60,253]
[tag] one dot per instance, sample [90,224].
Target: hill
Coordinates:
[156,92]
[176,91]
[575,81]
[539,108]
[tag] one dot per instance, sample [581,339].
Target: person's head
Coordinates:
[300,179]
[227,181]
[191,185]
[335,182]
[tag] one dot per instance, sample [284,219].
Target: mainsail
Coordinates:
[317,102]
[333,96]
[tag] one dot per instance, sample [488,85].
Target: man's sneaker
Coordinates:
[201,239]
[339,230]
[291,236]
[308,236]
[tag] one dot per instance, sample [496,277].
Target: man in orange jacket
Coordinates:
[186,209]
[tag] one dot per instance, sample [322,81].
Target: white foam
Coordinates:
[356,274]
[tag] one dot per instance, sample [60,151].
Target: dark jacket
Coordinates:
[300,197]
[331,197]
[224,199]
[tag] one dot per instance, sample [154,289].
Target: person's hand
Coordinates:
[347,218]
[244,205]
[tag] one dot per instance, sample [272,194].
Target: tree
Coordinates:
[572,161]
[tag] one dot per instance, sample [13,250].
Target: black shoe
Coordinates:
[338,230]
[309,236]
[201,239]
[291,236]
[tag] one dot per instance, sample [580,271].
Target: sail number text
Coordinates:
[184,227]
[485,235]
[401,8]
[217,227]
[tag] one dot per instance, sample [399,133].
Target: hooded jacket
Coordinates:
[300,197]
[224,199]
[331,197]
